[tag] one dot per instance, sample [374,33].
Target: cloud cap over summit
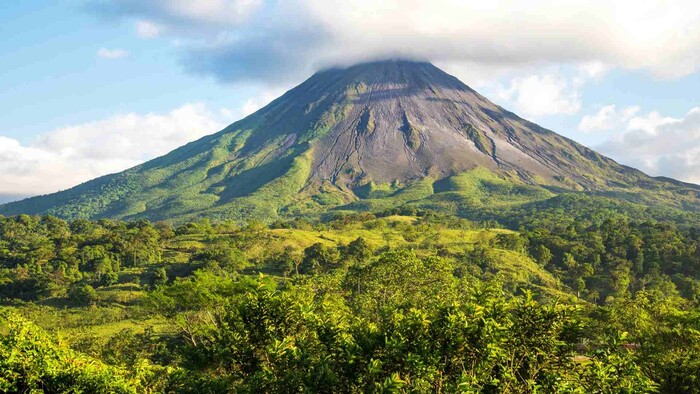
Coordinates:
[238,40]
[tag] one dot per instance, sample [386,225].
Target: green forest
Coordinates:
[400,301]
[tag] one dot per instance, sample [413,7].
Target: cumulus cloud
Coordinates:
[607,118]
[148,29]
[184,12]
[593,70]
[70,155]
[602,120]
[659,144]
[263,98]
[238,40]
[541,95]
[116,53]
[536,92]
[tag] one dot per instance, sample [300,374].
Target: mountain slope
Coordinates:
[393,132]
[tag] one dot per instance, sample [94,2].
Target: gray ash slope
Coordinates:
[411,120]
[382,125]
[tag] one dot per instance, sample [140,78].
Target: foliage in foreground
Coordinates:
[249,336]
[476,340]
[31,361]
[357,304]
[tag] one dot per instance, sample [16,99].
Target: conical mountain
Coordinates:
[364,137]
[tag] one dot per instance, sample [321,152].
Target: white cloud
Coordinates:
[70,155]
[593,70]
[116,53]
[607,118]
[651,123]
[660,145]
[253,39]
[542,94]
[260,100]
[179,12]
[249,107]
[148,29]
[602,120]
[213,11]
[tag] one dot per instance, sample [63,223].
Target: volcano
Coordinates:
[360,138]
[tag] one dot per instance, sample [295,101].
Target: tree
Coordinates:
[513,242]
[542,255]
[578,286]
[109,278]
[286,262]
[358,250]
[318,258]
[223,253]
[165,230]
[156,277]
[569,262]
[141,244]
[400,278]
[82,294]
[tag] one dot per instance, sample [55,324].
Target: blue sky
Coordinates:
[93,87]
[51,76]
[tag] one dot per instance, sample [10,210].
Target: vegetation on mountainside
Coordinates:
[366,138]
[357,303]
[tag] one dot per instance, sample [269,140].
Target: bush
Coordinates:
[109,279]
[82,295]
[31,362]
[155,277]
